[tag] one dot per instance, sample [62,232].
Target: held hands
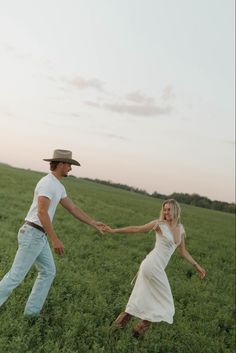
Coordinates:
[101,227]
[108,229]
[200,270]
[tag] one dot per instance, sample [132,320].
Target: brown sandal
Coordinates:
[140,329]
[122,320]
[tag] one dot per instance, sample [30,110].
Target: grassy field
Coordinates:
[93,277]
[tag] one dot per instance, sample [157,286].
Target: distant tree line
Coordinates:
[197,200]
[118,185]
[189,199]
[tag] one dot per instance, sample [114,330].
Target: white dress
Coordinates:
[151,298]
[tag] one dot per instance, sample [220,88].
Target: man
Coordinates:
[33,246]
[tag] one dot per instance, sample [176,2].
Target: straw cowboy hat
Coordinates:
[62,156]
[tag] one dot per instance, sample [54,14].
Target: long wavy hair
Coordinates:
[174,209]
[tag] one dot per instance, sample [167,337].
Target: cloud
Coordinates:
[139,109]
[139,104]
[168,93]
[75,115]
[82,83]
[77,82]
[133,103]
[67,114]
[10,49]
[140,98]
[93,104]
[21,54]
[6,112]
[113,136]
[50,78]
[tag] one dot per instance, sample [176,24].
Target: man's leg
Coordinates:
[47,271]
[29,247]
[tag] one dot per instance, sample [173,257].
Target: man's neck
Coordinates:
[57,175]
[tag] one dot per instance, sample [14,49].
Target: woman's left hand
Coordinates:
[201,271]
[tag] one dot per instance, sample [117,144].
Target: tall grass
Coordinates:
[93,277]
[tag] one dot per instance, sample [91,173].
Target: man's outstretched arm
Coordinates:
[69,205]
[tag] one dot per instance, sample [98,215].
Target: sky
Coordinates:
[141,91]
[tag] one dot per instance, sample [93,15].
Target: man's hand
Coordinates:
[108,229]
[101,227]
[58,246]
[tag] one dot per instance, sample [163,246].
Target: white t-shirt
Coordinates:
[50,187]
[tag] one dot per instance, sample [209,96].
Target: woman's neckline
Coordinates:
[172,234]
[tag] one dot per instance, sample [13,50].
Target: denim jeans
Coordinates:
[33,248]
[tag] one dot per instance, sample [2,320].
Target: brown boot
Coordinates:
[140,329]
[122,320]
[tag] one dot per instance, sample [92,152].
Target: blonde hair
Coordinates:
[175,210]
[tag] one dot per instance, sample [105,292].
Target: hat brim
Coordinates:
[65,160]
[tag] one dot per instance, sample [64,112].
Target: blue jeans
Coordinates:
[33,248]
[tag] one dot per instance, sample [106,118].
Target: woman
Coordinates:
[151,299]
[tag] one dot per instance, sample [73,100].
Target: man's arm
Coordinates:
[43,205]
[69,205]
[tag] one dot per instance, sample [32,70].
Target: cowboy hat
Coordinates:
[62,156]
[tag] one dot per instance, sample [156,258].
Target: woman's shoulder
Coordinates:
[157,223]
[182,230]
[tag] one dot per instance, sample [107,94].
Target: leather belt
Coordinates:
[36,226]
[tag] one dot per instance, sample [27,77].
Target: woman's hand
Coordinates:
[108,229]
[99,226]
[200,270]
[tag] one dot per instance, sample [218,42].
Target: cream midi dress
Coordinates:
[151,298]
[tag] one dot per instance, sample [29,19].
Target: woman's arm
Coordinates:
[185,254]
[134,229]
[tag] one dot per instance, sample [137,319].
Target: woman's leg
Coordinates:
[141,328]
[122,320]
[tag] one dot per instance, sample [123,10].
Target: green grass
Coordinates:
[93,277]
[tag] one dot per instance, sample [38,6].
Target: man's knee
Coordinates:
[49,273]
[15,277]
[53,272]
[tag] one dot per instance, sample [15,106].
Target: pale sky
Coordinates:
[142,91]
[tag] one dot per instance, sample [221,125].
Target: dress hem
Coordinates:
[143,316]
